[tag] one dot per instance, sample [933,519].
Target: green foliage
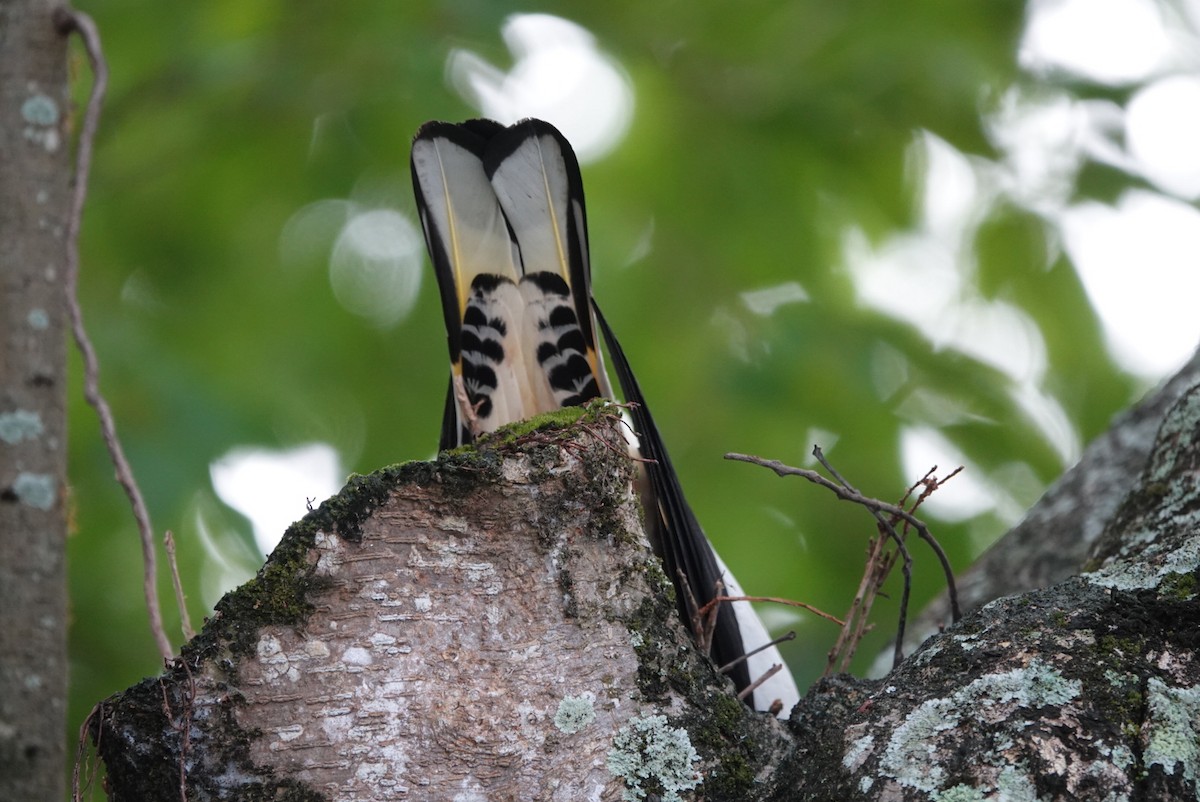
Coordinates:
[762,132]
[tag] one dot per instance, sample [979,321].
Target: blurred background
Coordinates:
[918,234]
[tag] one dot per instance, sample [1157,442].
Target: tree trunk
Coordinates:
[34,203]
[493,626]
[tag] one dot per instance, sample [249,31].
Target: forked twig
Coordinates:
[886,527]
[879,563]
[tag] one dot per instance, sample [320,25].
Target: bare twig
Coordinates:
[702,635]
[874,571]
[732,664]
[180,599]
[886,527]
[776,600]
[70,21]
[753,686]
[879,562]
[847,494]
[81,752]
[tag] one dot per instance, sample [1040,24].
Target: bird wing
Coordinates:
[674,530]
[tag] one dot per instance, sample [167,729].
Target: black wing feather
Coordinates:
[681,542]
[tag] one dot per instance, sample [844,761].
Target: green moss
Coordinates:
[553,421]
[1180,587]
[1115,693]
[1111,645]
[722,735]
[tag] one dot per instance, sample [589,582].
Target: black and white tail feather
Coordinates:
[505,223]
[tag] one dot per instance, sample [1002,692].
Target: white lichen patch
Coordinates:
[1173,729]
[1142,575]
[19,425]
[327,546]
[289,733]
[960,793]
[653,757]
[912,751]
[515,471]
[859,750]
[39,109]
[357,656]
[38,490]
[37,318]
[1015,785]
[276,663]
[575,713]
[41,115]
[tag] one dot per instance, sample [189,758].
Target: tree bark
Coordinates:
[493,626]
[480,627]
[34,204]
[1086,690]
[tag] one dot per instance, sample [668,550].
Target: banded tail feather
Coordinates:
[502,210]
[506,227]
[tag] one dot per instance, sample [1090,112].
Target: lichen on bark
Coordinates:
[416,636]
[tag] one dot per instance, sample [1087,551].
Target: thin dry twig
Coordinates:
[875,569]
[886,527]
[81,752]
[879,562]
[71,21]
[732,664]
[847,494]
[775,600]
[185,620]
[753,686]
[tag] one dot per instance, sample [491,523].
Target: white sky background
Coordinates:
[1139,258]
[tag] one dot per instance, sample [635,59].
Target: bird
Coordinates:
[503,213]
